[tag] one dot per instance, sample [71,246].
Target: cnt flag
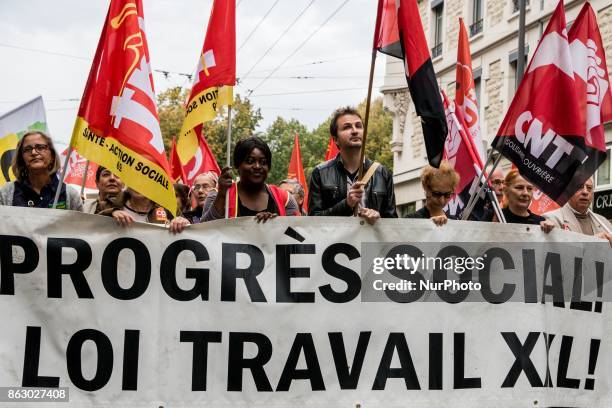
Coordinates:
[465,95]
[543,133]
[214,79]
[296,170]
[592,83]
[399,33]
[117,124]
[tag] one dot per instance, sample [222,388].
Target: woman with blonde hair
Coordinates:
[518,193]
[35,167]
[439,186]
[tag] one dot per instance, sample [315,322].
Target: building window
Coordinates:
[437,9]
[515,5]
[476,26]
[513,70]
[405,209]
[603,172]
[477,73]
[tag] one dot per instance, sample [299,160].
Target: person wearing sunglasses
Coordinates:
[35,165]
[439,186]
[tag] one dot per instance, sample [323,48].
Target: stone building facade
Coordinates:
[493,30]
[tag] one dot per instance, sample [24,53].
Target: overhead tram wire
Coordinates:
[257,26]
[280,37]
[299,47]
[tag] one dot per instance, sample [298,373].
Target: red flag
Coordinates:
[201,162]
[461,155]
[332,149]
[544,125]
[176,169]
[591,75]
[541,203]
[418,68]
[465,95]
[296,170]
[76,169]
[117,124]
[215,76]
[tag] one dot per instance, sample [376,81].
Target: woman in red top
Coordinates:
[250,196]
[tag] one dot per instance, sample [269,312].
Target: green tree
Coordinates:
[171,111]
[245,119]
[380,129]
[279,136]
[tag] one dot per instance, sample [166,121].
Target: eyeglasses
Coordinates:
[204,187]
[440,194]
[40,148]
[587,187]
[497,182]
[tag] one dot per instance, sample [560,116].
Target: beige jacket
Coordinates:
[564,218]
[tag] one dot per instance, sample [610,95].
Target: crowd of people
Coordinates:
[336,189]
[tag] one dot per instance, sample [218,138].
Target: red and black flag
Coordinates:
[399,33]
[543,133]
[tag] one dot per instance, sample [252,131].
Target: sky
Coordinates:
[321,51]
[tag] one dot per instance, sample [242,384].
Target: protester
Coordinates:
[109,185]
[334,188]
[130,206]
[439,186]
[202,185]
[576,215]
[497,184]
[293,187]
[35,165]
[250,196]
[518,193]
[181,192]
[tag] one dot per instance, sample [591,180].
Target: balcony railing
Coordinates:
[476,28]
[436,50]
[515,5]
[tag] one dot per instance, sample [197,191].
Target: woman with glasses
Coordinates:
[35,165]
[518,193]
[439,186]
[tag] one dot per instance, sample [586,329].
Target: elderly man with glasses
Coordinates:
[576,215]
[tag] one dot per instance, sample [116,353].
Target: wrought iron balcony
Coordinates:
[515,5]
[476,28]
[436,50]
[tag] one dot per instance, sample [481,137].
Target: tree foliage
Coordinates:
[279,135]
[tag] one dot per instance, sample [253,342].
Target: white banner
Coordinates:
[290,313]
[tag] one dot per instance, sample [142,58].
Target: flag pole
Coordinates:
[367,114]
[228,154]
[474,197]
[366,119]
[84,178]
[520,68]
[62,176]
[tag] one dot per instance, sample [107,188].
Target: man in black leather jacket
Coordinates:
[333,189]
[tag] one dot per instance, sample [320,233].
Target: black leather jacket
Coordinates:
[328,188]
